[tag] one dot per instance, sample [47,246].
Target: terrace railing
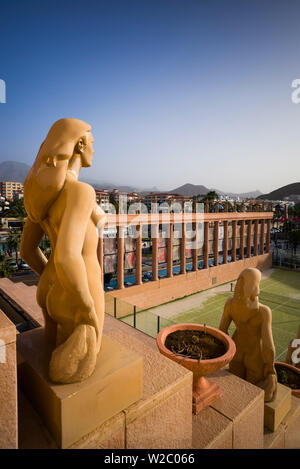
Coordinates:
[144,321]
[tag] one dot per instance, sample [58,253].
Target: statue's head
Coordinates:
[66,140]
[247,287]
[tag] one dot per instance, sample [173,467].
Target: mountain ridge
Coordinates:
[289,190]
[13,171]
[16,171]
[191,190]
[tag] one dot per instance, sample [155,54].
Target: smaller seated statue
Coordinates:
[255,351]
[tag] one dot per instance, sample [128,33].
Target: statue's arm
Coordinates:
[98,216]
[30,252]
[226,317]
[268,348]
[69,263]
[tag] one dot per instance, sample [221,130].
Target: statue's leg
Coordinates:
[256,375]
[237,368]
[254,365]
[61,311]
[269,385]
[98,295]
[75,359]
[255,368]
[50,327]
[253,376]
[75,355]
[44,287]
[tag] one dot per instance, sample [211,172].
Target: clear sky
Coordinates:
[176,91]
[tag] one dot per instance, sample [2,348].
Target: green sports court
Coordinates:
[280,290]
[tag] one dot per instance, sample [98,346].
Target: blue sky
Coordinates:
[176,91]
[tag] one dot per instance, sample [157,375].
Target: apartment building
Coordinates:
[102,198]
[164,198]
[9,189]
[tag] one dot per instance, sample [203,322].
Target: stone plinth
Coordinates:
[291,425]
[167,289]
[287,434]
[211,430]
[243,404]
[163,417]
[34,435]
[73,410]
[8,384]
[274,440]
[166,404]
[276,410]
[24,297]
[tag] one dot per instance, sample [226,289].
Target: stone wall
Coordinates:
[156,293]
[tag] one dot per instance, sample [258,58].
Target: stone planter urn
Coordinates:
[204,391]
[287,367]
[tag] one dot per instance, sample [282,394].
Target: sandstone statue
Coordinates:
[255,351]
[70,291]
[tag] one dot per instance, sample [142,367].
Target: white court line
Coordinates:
[191,309]
[204,314]
[283,332]
[215,309]
[209,311]
[282,353]
[271,283]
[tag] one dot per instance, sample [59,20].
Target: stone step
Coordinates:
[287,435]
[24,297]
[276,410]
[235,420]
[212,430]
[231,418]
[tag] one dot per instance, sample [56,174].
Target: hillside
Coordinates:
[16,171]
[13,171]
[192,189]
[242,195]
[282,192]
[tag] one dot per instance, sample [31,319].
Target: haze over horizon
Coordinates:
[175,91]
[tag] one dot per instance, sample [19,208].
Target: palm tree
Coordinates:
[14,239]
[18,210]
[3,205]
[5,269]
[113,201]
[210,196]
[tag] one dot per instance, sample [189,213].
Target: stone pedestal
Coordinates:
[8,385]
[243,404]
[291,425]
[287,435]
[209,393]
[276,410]
[70,411]
[212,430]
[166,404]
[274,440]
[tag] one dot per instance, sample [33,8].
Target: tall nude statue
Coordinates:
[70,290]
[255,351]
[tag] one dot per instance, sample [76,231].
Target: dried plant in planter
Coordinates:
[198,345]
[201,349]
